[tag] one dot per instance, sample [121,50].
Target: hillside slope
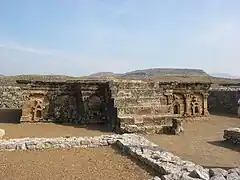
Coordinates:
[167,72]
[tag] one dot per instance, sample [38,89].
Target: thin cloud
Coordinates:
[32,50]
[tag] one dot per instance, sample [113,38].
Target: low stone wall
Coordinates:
[61,142]
[223,100]
[11,97]
[232,135]
[166,165]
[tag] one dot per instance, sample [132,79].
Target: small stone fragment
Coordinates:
[217,177]
[234,170]
[217,172]
[233,176]
[2,133]
[200,173]
[155,178]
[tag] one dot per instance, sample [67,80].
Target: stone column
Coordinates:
[187,100]
[205,104]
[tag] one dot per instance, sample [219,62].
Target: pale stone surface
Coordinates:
[2,133]
[233,176]
[217,178]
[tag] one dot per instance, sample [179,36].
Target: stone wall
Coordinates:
[11,97]
[69,101]
[117,103]
[149,105]
[223,100]
[232,135]
[166,165]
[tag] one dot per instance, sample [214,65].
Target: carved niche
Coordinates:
[35,107]
[196,109]
[37,110]
[176,107]
[176,104]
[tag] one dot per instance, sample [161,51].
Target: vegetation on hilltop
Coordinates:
[167,72]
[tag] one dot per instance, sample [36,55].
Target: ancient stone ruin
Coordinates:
[232,135]
[166,165]
[224,99]
[126,105]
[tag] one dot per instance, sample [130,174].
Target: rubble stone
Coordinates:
[2,133]
[232,135]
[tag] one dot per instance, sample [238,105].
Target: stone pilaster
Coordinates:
[187,101]
[26,115]
[205,104]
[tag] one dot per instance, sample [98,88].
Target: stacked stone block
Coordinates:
[232,135]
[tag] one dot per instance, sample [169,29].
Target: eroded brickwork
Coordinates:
[70,101]
[10,97]
[145,105]
[223,100]
[117,103]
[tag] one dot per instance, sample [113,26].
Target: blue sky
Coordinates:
[78,37]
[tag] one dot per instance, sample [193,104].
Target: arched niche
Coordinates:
[196,107]
[176,108]
[37,108]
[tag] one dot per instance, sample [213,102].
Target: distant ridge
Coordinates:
[167,72]
[224,75]
[102,74]
[154,72]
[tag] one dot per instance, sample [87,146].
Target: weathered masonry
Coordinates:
[126,104]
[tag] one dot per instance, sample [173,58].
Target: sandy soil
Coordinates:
[84,164]
[49,130]
[202,142]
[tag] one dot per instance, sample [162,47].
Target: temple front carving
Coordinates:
[120,104]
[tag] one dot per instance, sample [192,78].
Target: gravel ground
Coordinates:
[49,130]
[202,142]
[85,164]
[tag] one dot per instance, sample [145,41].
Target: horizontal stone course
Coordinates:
[166,165]
[232,135]
[61,142]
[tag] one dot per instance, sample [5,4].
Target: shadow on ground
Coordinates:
[225,144]
[93,127]
[10,115]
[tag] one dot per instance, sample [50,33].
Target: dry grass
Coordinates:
[84,164]
[50,130]
[202,142]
